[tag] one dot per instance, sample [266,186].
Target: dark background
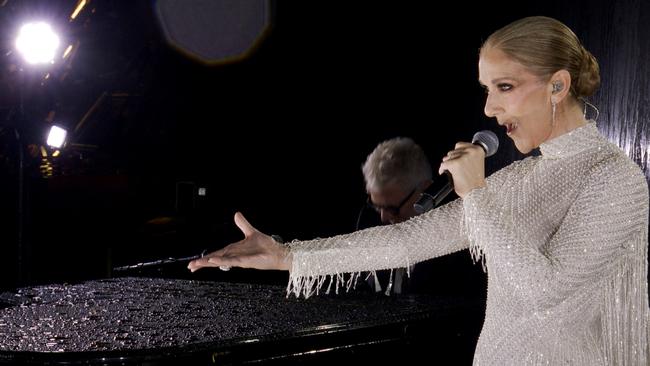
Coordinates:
[279,135]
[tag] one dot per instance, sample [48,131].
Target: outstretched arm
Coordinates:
[432,234]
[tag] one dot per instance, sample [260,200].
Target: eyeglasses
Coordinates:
[393,210]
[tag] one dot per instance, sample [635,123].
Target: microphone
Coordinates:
[432,196]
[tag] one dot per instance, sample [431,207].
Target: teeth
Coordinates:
[511,126]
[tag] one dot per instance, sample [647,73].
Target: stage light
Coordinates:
[215,31]
[56,137]
[67,51]
[37,43]
[77,9]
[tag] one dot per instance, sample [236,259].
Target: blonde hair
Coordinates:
[398,160]
[545,46]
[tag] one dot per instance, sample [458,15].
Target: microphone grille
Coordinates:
[488,140]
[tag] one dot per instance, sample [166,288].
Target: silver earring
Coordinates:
[554,106]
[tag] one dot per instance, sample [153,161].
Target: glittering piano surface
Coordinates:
[146,313]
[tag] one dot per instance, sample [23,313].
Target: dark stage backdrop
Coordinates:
[618,35]
[280,135]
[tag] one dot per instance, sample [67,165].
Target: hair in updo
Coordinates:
[545,45]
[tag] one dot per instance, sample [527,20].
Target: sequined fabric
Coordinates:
[563,237]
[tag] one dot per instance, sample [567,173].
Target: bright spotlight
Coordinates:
[56,137]
[37,42]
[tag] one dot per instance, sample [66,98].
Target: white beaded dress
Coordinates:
[563,237]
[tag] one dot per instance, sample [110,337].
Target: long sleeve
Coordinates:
[587,275]
[598,231]
[435,233]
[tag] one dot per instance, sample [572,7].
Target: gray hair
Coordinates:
[398,160]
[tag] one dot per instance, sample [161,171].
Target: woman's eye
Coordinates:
[504,87]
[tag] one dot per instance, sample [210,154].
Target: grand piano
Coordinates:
[158,321]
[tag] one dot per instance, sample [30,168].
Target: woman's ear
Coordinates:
[560,84]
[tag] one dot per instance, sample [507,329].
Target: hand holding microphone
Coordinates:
[466,165]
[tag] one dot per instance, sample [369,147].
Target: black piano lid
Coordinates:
[117,321]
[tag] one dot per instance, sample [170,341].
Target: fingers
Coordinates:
[198,264]
[226,261]
[256,250]
[216,261]
[461,150]
[446,160]
[203,261]
[454,154]
[231,254]
[466,164]
[244,225]
[443,168]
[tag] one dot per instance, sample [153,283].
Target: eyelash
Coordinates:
[503,87]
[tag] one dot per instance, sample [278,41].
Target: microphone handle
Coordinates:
[442,193]
[428,201]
